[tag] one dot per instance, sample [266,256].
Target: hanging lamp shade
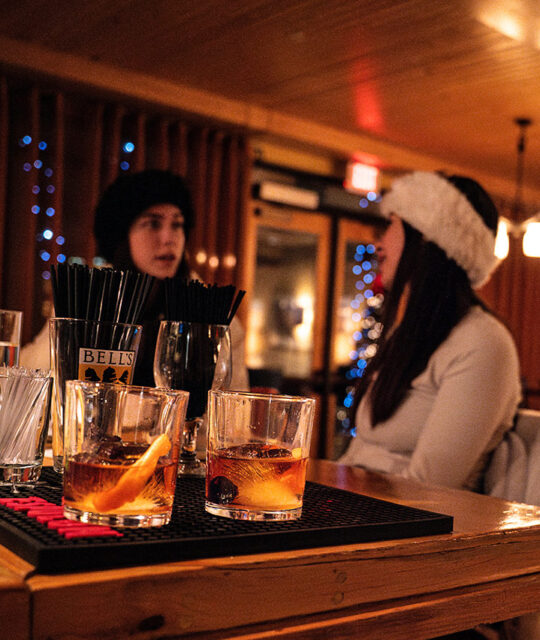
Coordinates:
[502,242]
[531,238]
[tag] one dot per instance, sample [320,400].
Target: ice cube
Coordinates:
[109,448]
[112,449]
[276,452]
[248,450]
[86,458]
[257,450]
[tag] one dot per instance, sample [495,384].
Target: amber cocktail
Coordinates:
[122,446]
[258,449]
[256,476]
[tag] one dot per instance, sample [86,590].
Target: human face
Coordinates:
[157,240]
[389,250]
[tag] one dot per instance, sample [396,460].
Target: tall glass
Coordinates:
[258,450]
[122,444]
[195,357]
[88,350]
[10,337]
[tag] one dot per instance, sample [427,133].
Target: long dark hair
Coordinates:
[439,295]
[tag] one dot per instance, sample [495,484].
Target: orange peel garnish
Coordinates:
[132,482]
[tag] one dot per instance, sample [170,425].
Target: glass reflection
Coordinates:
[280,329]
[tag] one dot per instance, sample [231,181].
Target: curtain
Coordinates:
[513,294]
[59,150]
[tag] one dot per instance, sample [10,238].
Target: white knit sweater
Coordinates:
[455,413]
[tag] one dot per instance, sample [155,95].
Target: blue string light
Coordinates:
[362,306]
[45,234]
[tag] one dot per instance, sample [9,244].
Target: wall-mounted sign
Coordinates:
[361,178]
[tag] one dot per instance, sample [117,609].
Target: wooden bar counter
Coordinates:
[488,569]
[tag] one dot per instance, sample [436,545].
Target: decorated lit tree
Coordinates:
[366,308]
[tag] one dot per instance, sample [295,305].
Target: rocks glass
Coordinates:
[121,453]
[257,455]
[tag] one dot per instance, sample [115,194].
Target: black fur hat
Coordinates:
[127,197]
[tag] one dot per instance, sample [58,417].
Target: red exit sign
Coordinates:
[361,177]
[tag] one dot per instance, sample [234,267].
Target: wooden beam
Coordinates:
[41,61]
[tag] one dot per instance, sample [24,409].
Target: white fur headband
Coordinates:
[443,215]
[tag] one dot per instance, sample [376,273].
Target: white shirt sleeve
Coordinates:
[477,391]
[455,413]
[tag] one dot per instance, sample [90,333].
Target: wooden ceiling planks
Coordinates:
[434,78]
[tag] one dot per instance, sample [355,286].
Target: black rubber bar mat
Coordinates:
[330,517]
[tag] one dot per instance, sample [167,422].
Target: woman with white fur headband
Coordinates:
[444,385]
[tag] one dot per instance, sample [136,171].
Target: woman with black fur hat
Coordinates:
[444,385]
[142,222]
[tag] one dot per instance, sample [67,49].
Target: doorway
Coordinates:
[306,309]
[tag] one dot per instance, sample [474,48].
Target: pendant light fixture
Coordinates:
[530,228]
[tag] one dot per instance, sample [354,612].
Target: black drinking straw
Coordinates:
[195,301]
[54,283]
[234,308]
[93,294]
[146,284]
[90,302]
